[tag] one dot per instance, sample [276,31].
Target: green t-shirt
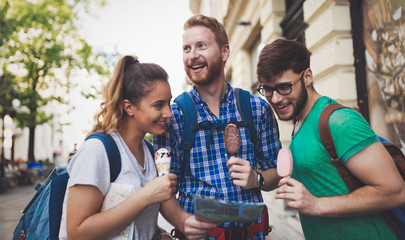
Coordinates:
[313,167]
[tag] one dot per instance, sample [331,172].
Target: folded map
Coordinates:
[213,210]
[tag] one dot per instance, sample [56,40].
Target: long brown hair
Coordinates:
[132,80]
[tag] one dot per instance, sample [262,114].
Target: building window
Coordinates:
[254,52]
[293,24]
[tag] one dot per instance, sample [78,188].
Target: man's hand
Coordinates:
[242,173]
[299,196]
[195,229]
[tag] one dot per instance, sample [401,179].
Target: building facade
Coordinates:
[357,55]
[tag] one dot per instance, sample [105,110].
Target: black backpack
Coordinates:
[191,126]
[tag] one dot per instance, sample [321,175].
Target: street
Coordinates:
[15,199]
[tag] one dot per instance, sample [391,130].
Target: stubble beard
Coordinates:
[214,70]
[299,104]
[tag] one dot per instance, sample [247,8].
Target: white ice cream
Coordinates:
[162,161]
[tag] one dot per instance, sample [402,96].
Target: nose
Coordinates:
[194,53]
[275,98]
[167,112]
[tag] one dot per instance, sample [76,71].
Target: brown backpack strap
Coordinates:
[324,131]
[350,180]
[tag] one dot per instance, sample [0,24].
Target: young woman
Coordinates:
[137,101]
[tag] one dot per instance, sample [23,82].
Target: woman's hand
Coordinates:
[161,188]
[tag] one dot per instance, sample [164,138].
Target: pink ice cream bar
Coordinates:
[284,162]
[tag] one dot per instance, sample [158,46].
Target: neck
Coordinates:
[312,98]
[212,94]
[132,137]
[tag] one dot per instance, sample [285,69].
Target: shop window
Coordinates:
[379,41]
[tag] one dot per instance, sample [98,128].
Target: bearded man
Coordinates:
[328,210]
[213,172]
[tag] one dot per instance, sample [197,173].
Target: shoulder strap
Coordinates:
[187,106]
[324,131]
[59,183]
[114,156]
[56,197]
[150,147]
[245,109]
[351,182]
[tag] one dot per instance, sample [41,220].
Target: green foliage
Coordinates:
[45,40]
[39,40]
[7,25]
[149,137]
[8,93]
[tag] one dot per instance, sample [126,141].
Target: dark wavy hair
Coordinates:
[280,56]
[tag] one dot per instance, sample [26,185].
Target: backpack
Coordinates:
[394,217]
[187,106]
[42,216]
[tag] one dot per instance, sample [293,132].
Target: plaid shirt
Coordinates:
[209,173]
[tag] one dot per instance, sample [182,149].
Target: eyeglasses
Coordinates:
[282,89]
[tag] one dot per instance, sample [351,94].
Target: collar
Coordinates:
[227,97]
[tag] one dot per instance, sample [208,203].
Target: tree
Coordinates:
[7,95]
[6,25]
[44,42]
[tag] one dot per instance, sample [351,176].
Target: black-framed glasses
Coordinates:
[282,89]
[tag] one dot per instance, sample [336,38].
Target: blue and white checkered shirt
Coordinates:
[209,173]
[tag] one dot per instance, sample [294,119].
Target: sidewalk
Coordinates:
[12,203]
[14,200]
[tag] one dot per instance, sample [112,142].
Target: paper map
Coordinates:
[212,210]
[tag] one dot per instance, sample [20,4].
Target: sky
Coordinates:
[149,29]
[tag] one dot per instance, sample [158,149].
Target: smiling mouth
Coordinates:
[282,106]
[161,123]
[195,67]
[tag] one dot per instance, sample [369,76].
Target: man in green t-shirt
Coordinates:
[327,209]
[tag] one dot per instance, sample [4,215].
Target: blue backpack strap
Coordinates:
[150,147]
[187,106]
[56,197]
[59,183]
[245,110]
[114,156]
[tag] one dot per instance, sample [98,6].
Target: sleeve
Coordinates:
[268,134]
[90,166]
[172,140]
[350,132]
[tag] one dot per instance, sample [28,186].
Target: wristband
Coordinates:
[260,180]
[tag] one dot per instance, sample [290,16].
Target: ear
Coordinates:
[225,53]
[127,106]
[308,77]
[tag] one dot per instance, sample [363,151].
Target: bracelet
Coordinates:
[164,233]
